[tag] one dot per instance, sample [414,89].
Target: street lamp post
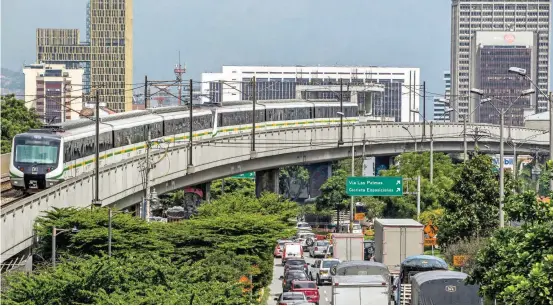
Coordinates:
[413,137]
[465,119]
[502,113]
[522,72]
[55,232]
[351,217]
[431,144]
[515,145]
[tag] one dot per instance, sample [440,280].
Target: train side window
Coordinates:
[67,151]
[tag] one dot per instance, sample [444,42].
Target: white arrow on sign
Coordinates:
[398,189]
[398,182]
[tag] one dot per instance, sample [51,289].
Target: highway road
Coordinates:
[276,284]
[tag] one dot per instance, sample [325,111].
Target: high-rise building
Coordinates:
[106,55]
[49,89]
[493,53]
[440,108]
[470,16]
[400,90]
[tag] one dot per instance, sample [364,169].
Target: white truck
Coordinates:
[360,290]
[396,239]
[348,247]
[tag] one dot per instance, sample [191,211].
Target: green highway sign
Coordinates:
[391,186]
[247,175]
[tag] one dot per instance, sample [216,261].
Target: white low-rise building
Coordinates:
[392,91]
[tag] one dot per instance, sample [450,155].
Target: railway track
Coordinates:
[9,195]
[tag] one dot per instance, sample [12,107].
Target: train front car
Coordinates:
[36,161]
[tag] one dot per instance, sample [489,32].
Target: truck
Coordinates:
[397,239]
[360,290]
[348,247]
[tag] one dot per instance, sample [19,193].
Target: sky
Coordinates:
[213,33]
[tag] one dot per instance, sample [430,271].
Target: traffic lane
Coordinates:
[276,284]
[325,289]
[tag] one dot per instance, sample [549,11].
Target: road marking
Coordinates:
[326,299]
[324,291]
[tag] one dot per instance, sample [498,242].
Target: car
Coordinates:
[292,298]
[279,248]
[296,264]
[303,226]
[309,288]
[320,270]
[291,276]
[306,239]
[291,250]
[319,248]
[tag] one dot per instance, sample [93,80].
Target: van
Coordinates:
[291,250]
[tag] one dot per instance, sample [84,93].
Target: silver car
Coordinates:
[319,248]
[320,270]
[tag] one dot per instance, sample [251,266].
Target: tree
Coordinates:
[472,205]
[333,193]
[230,237]
[293,180]
[244,186]
[130,279]
[433,216]
[516,265]
[16,119]
[413,164]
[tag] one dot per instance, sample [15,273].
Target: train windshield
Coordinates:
[36,152]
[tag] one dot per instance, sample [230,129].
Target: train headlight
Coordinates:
[20,168]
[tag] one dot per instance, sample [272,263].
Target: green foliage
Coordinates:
[411,165]
[466,247]
[516,265]
[201,259]
[333,192]
[472,205]
[292,180]
[16,119]
[245,187]
[433,215]
[129,279]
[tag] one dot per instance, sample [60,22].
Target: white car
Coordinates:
[303,226]
[320,270]
[306,239]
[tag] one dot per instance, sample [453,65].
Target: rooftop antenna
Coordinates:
[179,71]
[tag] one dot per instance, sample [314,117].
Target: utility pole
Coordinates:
[146,210]
[191,128]
[146,92]
[465,138]
[418,198]
[424,110]
[431,153]
[54,234]
[551,136]
[352,206]
[501,169]
[97,155]
[341,140]
[109,231]
[254,101]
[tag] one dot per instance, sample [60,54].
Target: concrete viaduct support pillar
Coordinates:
[318,174]
[266,180]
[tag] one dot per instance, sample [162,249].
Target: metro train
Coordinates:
[43,158]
